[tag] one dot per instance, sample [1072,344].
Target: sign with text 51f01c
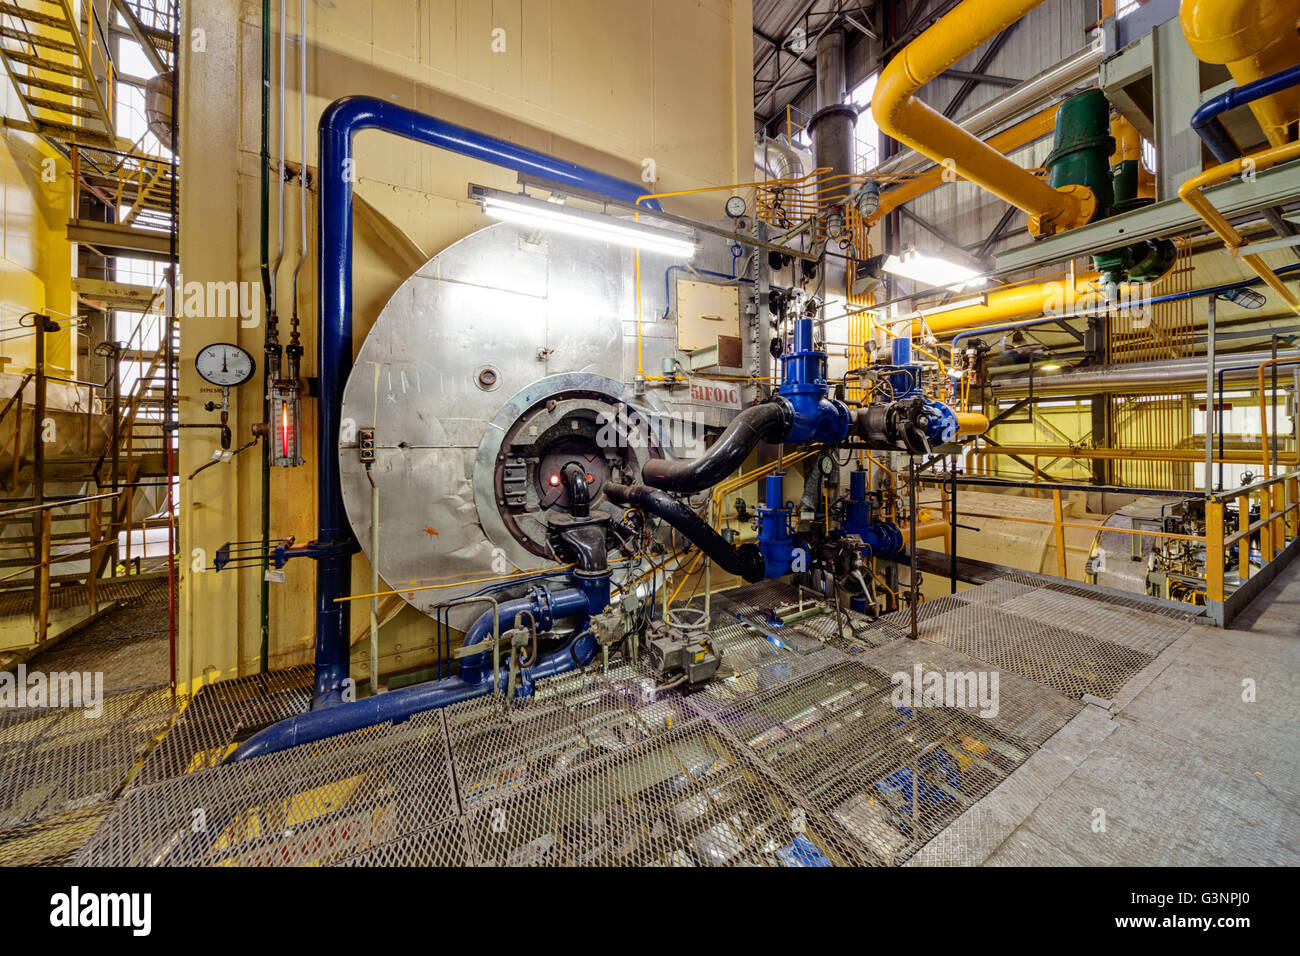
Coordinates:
[717,394]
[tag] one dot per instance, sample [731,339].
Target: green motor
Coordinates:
[1082,147]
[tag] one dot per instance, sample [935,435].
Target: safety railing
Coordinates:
[1276,503]
[44,557]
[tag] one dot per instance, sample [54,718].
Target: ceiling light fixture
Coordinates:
[516,207]
[934,271]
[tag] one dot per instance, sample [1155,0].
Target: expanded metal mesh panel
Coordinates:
[1068,660]
[495,753]
[996,592]
[312,804]
[687,797]
[1140,630]
[50,841]
[223,714]
[1136,602]
[1013,705]
[795,755]
[891,776]
[57,760]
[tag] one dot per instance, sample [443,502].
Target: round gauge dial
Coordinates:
[736,207]
[224,364]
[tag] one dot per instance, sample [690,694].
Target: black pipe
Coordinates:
[575,480]
[767,422]
[745,560]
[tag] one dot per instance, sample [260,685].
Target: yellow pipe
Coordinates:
[1190,193]
[1023,133]
[1128,149]
[1263,428]
[901,115]
[1022,300]
[1254,39]
[971,423]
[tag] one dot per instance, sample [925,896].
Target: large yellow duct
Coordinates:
[900,114]
[1253,38]
[1022,301]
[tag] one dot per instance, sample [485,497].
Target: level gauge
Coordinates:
[224,364]
[736,207]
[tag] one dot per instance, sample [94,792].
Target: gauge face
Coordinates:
[736,207]
[224,364]
[827,464]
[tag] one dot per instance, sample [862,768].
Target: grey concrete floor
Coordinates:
[1180,769]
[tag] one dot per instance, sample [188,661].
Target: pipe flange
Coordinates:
[1077,212]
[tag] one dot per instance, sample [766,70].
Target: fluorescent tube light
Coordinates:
[933,271]
[512,207]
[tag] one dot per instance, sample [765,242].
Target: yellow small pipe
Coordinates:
[1190,193]
[900,114]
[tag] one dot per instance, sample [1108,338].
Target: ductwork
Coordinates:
[902,115]
[779,159]
[1254,39]
[746,560]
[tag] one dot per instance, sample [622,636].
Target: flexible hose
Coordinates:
[767,422]
[745,560]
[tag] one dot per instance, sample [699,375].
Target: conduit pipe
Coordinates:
[902,115]
[1166,375]
[1253,39]
[339,124]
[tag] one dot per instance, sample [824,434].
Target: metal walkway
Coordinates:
[799,757]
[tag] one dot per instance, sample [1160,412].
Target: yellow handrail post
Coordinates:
[1059,516]
[1243,546]
[1279,523]
[1214,550]
[1292,504]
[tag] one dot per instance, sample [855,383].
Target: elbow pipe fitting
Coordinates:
[769,422]
[746,560]
[902,115]
[575,480]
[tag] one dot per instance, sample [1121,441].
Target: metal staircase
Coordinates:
[59,64]
[61,58]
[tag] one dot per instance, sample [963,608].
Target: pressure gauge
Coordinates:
[224,364]
[736,206]
[827,464]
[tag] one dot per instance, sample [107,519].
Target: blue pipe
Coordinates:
[1156,300]
[1206,123]
[475,678]
[339,124]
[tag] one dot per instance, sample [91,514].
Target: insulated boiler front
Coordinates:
[486,372]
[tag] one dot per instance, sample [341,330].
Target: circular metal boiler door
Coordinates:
[464,348]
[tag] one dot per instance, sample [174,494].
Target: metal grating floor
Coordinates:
[61,769]
[796,757]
